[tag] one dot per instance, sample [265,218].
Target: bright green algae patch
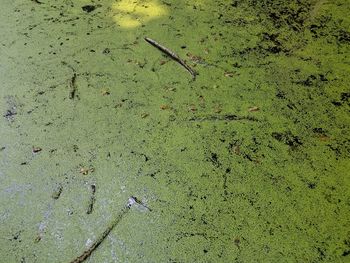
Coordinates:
[248,163]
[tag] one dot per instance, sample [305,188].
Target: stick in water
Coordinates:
[73,86]
[173,56]
[132,200]
[92,199]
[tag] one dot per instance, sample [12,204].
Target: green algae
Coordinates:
[221,190]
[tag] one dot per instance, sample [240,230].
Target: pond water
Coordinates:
[100,130]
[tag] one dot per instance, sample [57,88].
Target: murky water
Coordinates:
[247,163]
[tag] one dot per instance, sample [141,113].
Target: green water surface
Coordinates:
[247,163]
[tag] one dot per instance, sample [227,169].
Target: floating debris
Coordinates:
[92,199]
[324,138]
[192,108]
[105,92]
[237,241]
[106,51]
[84,171]
[253,109]
[37,239]
[144,115]
[195,59]
[73,86]
[236,149]
[173,56]
[36,149]
[12,105]
[226,117]
[132,200]
[170,88]
[229,74]
[57,192]
[218,109]
[10,113]
[88,8]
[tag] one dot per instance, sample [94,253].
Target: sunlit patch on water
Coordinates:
[131,14]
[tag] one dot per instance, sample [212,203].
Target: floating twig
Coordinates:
[72,82]
[253,109]
[89,251]
[36,149]
[173,56]
[73,86]
[57,192]
[92,199]
[37,1]
[132,200]
[226,117]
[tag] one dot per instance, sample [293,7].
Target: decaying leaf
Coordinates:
[201,101]
[84,171]
[194,58]
[217,110]
[57,192]
[236,149]
[37,239]
[105,92]
[228,74]
[324,138]
[192,108]
[171,89]
[237,241]
[144,115]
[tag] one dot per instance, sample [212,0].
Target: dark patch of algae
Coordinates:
[249,163]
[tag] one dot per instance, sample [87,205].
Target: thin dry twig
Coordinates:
[132,200]
[226,117]
[73,86]
[91,249]
[92,199]
[173,56]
